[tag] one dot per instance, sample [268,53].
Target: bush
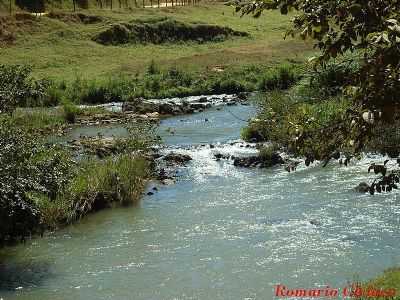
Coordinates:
[15,86]
[329,80]
[280,78]
[70,111]
[27,167]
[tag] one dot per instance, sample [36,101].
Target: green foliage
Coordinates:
[163,30]
[152,69]
[281,78]
[100,183]
[41,186]
[37,119]
[15,86]
[329,80]
[172,82]
[368,28]
[70,111]
[266,153]
[115,89]
[300,126]
[27,166]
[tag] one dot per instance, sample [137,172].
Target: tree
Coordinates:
[371,30]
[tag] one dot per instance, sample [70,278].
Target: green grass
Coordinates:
[98,184]
[390,279]
[65,51]
[38,118]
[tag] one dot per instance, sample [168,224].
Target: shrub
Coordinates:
[152,69]
[280,78]
[266,153]
[27,167]
[70,111]
[15,86]
[329,80]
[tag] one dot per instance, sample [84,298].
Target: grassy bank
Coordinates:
[389,280]
[43,187]
[97,184]
[63,49]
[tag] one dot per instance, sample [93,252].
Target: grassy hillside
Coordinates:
[62,48]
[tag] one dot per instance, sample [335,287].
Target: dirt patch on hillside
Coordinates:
[10,26]
[75,17]
[164,30]
[6,36]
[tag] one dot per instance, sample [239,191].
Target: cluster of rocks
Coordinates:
[254,161]
[99,146]
[165,170]
[258,161]
[181,107]
[115,118]
[363,187]
[176,158]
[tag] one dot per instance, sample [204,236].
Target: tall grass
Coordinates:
[38,118]
[279,78]
[99,184]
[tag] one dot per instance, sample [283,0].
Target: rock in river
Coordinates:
[258,161]
[177,158]
[363,187]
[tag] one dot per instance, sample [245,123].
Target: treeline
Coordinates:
[39,6]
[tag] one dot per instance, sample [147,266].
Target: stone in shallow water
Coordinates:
[363,187]
[177,158]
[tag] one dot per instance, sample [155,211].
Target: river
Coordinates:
[220,232]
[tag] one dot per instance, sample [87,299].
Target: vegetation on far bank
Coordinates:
[59,46]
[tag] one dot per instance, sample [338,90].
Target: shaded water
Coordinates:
[220,233]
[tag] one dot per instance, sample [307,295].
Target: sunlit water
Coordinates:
[220,233]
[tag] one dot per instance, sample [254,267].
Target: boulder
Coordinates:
[221,156]
[258,161]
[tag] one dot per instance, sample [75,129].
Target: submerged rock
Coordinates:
[363,187]
[315,222]
[221,156]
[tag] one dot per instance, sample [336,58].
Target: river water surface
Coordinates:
[221,232]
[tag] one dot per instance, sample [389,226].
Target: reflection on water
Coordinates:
[220,233]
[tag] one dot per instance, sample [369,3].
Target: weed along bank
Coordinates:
[199,150]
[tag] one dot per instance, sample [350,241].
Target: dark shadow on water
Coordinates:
[26,275]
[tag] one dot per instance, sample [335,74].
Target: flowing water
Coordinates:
[221,232]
